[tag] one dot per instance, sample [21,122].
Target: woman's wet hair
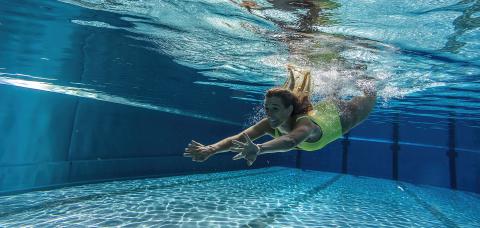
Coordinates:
[301,103]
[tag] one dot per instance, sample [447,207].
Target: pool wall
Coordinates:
[406,152]
[52,139]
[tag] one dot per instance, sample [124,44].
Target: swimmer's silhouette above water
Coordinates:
[305,22]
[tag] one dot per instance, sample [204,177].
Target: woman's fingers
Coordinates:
[238,143]
[238,156]
[249,163]
[194,146]
[193,142]
[247,139]
[187,154]
[237,149]
[191,149]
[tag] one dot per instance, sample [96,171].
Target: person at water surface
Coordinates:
[293,121]
[313,15]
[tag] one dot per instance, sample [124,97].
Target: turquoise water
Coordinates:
[424,53]
[196,59]
[271,197]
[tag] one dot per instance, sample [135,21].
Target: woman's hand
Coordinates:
[198,152]
[247,150]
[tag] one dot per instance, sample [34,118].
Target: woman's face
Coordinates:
[277,114]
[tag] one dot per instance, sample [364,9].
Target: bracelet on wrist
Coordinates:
[260,148]
[211,148]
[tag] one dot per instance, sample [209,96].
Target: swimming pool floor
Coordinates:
[270,197]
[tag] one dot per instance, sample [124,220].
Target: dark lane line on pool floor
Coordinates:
[268,217]
[435,212]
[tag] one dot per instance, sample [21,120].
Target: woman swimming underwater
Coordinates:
[292,121]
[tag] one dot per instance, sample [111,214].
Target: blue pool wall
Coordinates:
[52,139]
[447,158]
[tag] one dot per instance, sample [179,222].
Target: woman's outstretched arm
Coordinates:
[249,151]
[199,152]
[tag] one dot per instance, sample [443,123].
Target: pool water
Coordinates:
[424,54]
[184,58]
[269,197]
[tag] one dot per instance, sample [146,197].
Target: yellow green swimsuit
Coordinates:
[326,116]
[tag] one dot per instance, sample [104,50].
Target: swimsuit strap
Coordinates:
[301,117]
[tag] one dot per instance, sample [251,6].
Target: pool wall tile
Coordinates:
[369,159]
[468,171]
[287,159]
[35,126]
[423,165]
[31,176]
[327,159]
[415,132]
[120,168]
[107,130]
[372,129]
[467,137]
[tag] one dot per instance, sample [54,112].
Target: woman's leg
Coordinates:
[290,82]
[298,81]
[356,110]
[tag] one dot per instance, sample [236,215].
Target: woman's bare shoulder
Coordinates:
[265,126]
[303,120]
